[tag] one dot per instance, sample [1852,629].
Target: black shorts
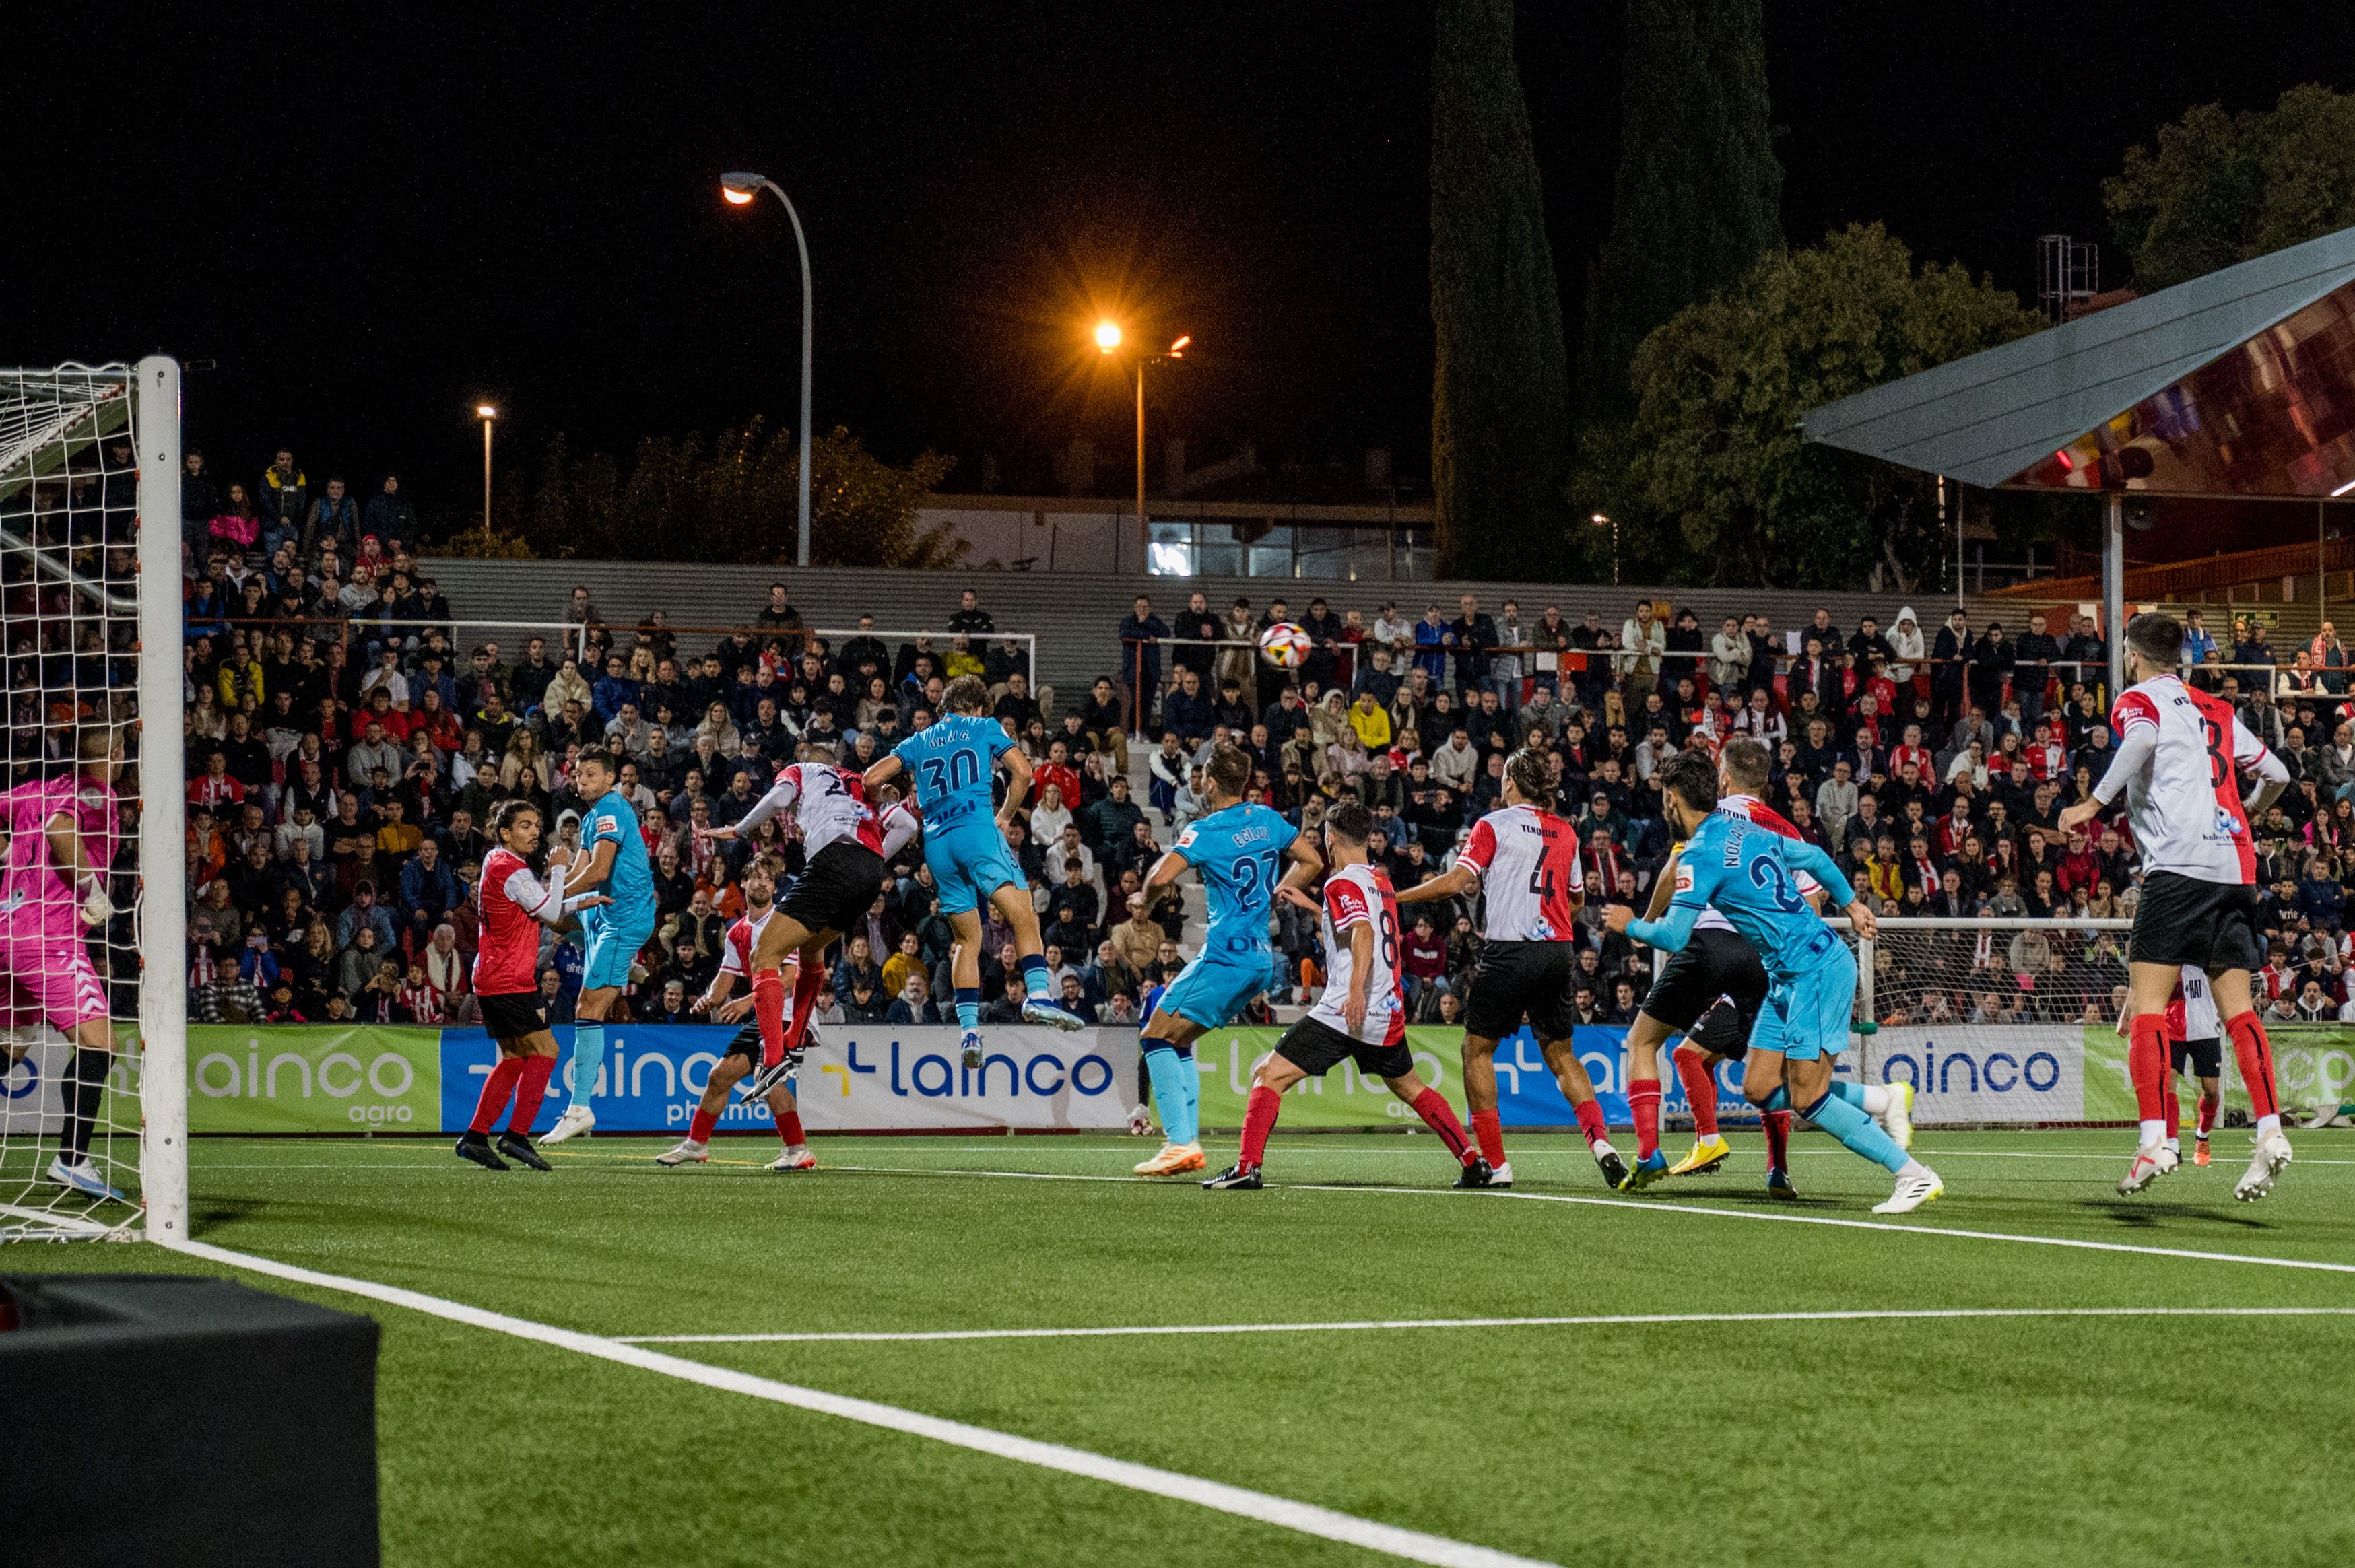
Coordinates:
[838,888]
[2185,921]
[1714,965]
[1317,1048]
[746,1044]
[1514,980]
[513,1016]
[2206,1057]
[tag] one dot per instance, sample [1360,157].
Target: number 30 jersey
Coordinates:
[1359,895]
[1530,876]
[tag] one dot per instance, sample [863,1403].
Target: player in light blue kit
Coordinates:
[1744,873]
[1241,851]
[953,761]
[615,854]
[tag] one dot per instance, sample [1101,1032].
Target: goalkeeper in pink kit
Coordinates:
[62,835]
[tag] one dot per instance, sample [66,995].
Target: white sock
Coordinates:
[1876,1099]
[2267,1125]
[2175,1146]
[2153,1132]
[1912,1167]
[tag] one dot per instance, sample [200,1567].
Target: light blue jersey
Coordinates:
[1744,872]
[1240,852]
[953,764]
[616,932]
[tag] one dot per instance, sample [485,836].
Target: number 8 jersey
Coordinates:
[1359,895]
[1530,874]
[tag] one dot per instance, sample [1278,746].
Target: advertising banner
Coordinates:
[1975,1072]
[862,1078]
[299,1079]
[31,1098]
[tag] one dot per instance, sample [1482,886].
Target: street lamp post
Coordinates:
[739,189]
[1599,520]
[1108,337]
[484,412]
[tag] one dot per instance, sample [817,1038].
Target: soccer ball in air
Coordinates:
[1283,645]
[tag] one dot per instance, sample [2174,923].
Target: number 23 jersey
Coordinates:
[1530,874]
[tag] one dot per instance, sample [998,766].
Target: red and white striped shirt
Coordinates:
[1530,874]
[827,803]
[2178,763]
[1359,895]
[514,904]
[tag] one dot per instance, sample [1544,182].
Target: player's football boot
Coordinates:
[576,1122]
[2272,1156]
[82,1177]
[1707,1154]
[1916,1185]
[969,1048]
[1779,1185]
[1897,1121]
[476,1147]
[2200,1153]
[799,1158]
[685,1151]
[1236,1175]
[1039,1009]
[756,1087]
[1174,1160]
[517,1148]
[2150,1163]
[1644,1172]
[1614,1169]
[1480,1173]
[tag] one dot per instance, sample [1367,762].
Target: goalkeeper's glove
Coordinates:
[97,908]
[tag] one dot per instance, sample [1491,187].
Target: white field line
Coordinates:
[1626,1205]
[1612,1320]
[1306,1518]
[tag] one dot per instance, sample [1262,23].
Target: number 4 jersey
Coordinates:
[1359,895]
[1530,876]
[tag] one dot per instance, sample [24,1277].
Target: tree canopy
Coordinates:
[1714,456]
[735,499]
[2221,188]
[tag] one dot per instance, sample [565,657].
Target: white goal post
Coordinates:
[91,633]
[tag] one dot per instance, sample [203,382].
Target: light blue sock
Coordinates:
[1858,1132]
[1034,976]
[1849,1090]
[968,1006]
[1167,1070]
[587,1057]
[1190,1078]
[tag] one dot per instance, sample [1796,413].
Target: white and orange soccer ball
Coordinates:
[1284,645]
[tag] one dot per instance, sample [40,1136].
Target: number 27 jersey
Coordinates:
[1530,876]
[1240,852]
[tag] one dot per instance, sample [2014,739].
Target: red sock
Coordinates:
[1440,1116]
[1259,1120]
[789,1128]
[700,1125]
[531,1091]
[806,988]
[1490,1132]
[2147,1061]
[1591,1122]
[496,1088]
[1777,1125]
[769,1007]
[2254,1053]
[2174,1109]
[1701,1089]
[2209,1105]
[1644,1103]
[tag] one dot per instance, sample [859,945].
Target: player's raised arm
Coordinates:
[2253,756]
[886,769]
[1017,783]
[1664,885]
[781,795]
[1453,882]
[1307,865]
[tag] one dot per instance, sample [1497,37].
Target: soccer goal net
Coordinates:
[92,1112]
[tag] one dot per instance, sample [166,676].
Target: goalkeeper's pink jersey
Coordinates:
[37,898]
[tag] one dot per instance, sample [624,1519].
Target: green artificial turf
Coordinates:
[1874,1441]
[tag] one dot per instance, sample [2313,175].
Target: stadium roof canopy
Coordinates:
[2239,382]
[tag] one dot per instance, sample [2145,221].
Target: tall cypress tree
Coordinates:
[1500,399]
[1697,196]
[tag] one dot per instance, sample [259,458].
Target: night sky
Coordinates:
[373,224]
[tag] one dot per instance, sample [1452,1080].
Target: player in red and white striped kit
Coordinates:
[515,904]
[2180,757]
[743,1052]
[1524,858]
[1360,1017]
[847,862]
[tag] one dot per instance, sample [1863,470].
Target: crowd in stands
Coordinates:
[345,743]
[1933,765]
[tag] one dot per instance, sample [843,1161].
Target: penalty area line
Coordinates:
[1307,1519]
[1597,1320]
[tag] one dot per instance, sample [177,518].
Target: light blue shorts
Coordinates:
[1808,1017]
[609,947]
[1214,986]
[969,865]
